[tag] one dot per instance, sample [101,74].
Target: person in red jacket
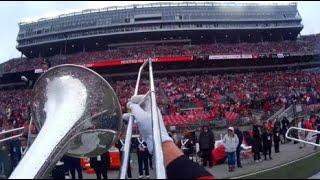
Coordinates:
[308,125]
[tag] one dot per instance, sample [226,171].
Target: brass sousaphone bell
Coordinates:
[78,114]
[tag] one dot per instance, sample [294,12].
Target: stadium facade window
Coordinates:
[107,18]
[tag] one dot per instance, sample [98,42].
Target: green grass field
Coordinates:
[298,170]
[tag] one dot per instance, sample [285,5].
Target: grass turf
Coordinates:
[301,169]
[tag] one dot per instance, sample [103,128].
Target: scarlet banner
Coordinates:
[118,62]
[106,63]
[173,59]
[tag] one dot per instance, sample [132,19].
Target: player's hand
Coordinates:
[142,115]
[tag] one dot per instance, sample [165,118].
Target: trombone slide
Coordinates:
[158,152]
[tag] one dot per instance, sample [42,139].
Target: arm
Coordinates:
[224,140]
[118,145]
[179,166]
[237,140]
[170,152]
[200,139]
[213,141]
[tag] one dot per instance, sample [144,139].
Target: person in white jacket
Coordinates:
[230,142]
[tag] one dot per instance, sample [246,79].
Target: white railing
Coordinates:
[191,109]
[275,115]
[11,137]
[310,136]
[288,113]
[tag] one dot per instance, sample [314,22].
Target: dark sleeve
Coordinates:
[118,145]
[108,164]
[92,162]
[213,137]
[183,168]
[212,140]
[200,139]
[241,137]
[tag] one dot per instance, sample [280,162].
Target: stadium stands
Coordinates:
[14,108]
[190,99]
[206,72]
[229,96]
[306,45]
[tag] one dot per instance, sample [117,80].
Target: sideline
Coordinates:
[276,167]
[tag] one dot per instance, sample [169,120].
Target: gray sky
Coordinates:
[13,12]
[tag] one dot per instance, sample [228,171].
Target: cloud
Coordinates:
[55,9]
[50,9]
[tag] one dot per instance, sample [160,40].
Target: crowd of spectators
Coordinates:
[14,108]
[190,99]
[236,93]
[198,95]
[300,46]
[22,64]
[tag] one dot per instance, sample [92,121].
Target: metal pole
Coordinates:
[139,77]
[12,137]
[157,143]
[11,130]
[29,134]
[127,143]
